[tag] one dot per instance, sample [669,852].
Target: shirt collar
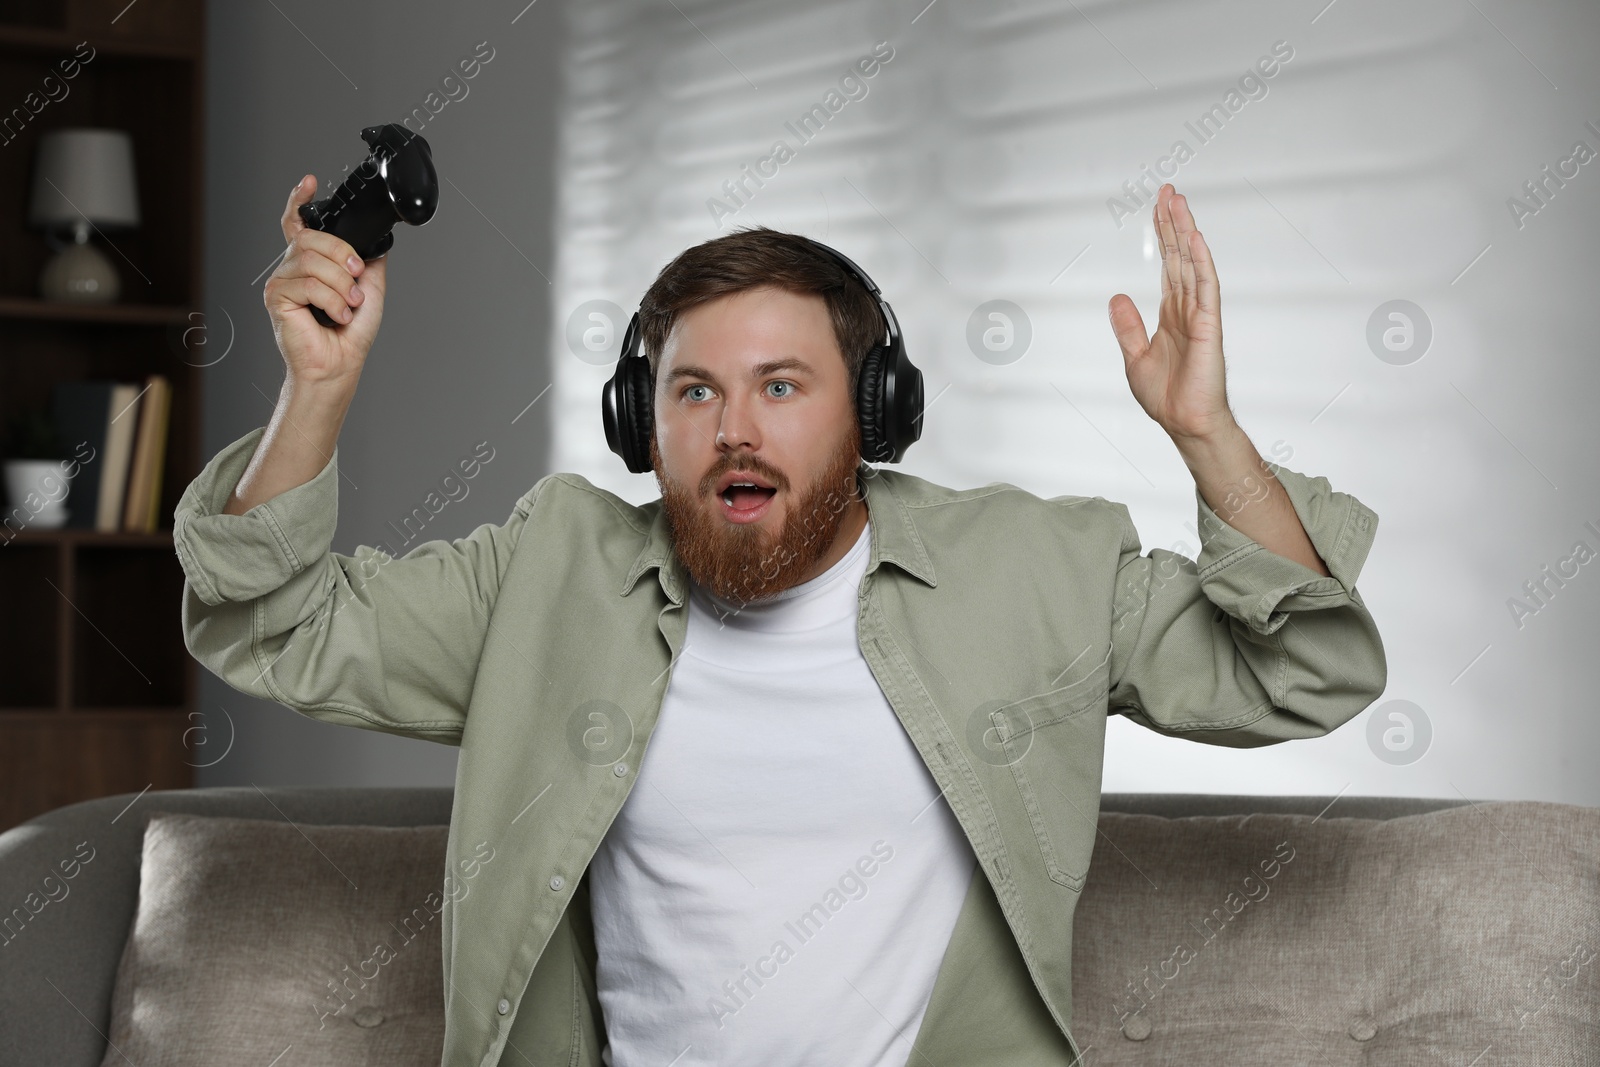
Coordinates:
[894,537]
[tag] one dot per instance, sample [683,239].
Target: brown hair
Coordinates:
[754,257]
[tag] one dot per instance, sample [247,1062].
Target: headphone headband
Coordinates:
[888,390]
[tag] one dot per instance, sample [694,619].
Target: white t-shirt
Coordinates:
[781,883]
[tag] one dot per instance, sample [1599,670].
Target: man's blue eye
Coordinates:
[690,388]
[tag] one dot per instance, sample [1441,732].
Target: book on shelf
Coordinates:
[141,510]
[118,432]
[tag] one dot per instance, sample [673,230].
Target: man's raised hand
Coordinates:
[319,268]
[1177,374]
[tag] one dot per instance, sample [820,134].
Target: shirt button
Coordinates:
[504,1006]
[556,882]
[1363,1029]
[619,769]
[1136,1028]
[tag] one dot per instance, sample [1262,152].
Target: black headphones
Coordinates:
[888,392]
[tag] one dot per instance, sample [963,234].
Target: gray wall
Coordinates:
[462,348]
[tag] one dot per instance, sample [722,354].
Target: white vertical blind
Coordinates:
[981,163]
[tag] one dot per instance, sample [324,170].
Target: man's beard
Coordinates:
[741,562]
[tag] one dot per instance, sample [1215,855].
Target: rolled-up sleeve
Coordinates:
[1243,647]
[240,557]
[368,639]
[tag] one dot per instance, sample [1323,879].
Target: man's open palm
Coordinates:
[1177,374]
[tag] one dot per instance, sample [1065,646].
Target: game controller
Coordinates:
[395,183]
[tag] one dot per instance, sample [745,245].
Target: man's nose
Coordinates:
[738,428]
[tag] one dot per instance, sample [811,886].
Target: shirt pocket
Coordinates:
[1055,745]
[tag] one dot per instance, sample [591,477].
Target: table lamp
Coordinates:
[83,179]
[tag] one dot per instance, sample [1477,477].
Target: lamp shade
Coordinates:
[83,172]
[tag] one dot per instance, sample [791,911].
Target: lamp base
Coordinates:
[80,274]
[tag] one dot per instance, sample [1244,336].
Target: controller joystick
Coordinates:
[395,183]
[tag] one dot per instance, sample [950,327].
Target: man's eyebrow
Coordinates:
[760,370]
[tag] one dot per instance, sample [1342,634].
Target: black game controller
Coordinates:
[396,182]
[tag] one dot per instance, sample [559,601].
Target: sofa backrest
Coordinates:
[58,963]
[58,966]
[1464,935]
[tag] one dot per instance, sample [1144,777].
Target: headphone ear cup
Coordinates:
[638,412]
[870,415]
[908,405]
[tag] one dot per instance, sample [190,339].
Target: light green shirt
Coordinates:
[1002,627]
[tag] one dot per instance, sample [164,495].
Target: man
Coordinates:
[801,762]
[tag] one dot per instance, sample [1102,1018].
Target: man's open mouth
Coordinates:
[743,496]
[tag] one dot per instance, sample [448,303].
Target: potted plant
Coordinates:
[36,473]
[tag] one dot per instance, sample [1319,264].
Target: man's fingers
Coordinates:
[301,194]
[1183,226]
[336,249]
[306,290]
[1128,325]
[1169,273]
[1206,287]
[1199,257]
[309,262]
[375,276]
[330,274]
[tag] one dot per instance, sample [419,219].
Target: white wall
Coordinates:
[1377,166]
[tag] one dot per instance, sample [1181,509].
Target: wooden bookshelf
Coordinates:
[98,694]
[17,307]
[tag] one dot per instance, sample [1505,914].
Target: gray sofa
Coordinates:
[1389,930]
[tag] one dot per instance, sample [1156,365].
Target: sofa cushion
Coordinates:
[254,937]
[1464,936]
